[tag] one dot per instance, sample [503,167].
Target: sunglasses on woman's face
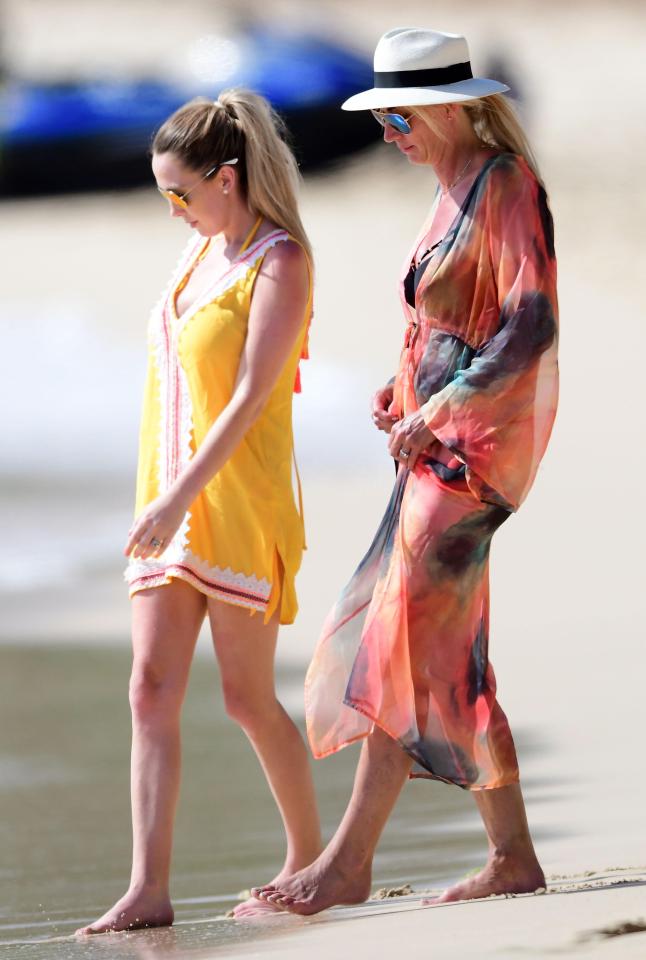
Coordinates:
[398,123]
[179,200]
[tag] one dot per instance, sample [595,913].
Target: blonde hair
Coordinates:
[241,124]
[495,124]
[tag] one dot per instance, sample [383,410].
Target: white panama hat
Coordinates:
[415,67]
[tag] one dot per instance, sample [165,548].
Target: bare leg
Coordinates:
[166,623]
[512,866]
[343,872]
[245,649]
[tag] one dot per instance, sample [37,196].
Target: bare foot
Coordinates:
[253,908]
[134,911]
[501,875]
[321,885]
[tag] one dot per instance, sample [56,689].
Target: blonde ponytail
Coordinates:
[240,124]
[273,177]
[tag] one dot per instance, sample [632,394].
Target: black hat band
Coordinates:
[424,78]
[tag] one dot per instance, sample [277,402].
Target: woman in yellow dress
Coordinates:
[217,531]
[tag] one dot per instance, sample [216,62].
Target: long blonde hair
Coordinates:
[495,123]
[241,124]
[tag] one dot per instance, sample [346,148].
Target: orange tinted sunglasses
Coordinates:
[179,200]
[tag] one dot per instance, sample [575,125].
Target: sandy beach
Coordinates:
[580,916]
[567,633]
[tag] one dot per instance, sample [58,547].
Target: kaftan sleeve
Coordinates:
[496,414]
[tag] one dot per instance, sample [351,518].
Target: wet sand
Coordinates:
[64,830]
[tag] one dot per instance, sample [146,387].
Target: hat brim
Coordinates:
[423,96]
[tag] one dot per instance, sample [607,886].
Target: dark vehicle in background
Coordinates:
[69,137]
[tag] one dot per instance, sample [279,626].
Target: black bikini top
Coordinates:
[415,274]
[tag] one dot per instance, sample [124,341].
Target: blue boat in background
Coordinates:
[70,137]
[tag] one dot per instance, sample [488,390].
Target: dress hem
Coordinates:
[503,782]
[160,578]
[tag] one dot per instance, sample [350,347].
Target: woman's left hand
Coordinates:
[156,526]
[408,438]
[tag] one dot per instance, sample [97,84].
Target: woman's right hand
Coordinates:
[382,418]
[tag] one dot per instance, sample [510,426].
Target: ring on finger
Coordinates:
[404,454]
[154,542]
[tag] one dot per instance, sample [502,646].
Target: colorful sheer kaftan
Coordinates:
[406,646]
[242,540]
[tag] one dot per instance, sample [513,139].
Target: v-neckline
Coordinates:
[199,255]
[453,227]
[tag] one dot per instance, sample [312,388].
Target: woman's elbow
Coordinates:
[252,402]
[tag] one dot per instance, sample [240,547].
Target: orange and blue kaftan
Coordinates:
[406,646]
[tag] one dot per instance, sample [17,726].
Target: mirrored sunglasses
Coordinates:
[395,120]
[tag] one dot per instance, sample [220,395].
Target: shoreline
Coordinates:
[583,916]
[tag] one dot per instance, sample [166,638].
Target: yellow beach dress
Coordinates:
[242,539]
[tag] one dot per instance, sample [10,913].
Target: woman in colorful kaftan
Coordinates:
[403,659]
[217,530]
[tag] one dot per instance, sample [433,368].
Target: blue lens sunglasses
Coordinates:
[395,120]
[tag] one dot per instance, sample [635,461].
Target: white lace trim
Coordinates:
[247,589]
[185,432]
[183,573]
[162,350]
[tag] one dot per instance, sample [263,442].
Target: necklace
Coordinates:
[462,172]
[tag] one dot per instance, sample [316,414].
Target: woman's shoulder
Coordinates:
[273,244]
[277,239]
[268,236]
[515,194]
[285,258]
[510,174]
[509,188]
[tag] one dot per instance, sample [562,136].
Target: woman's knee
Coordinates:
[153,696]
[248,707]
